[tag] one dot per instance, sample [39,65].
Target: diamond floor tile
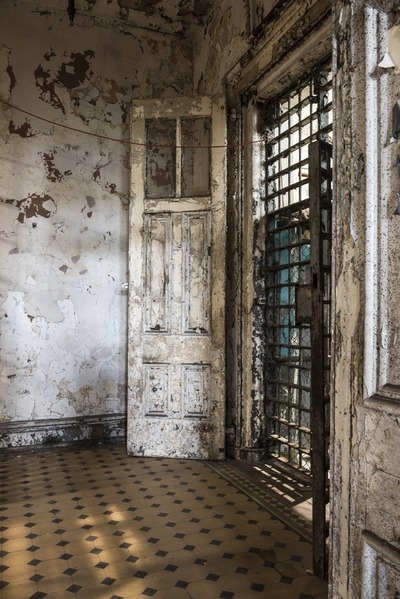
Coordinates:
[91,522]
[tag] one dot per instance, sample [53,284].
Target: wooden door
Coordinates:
[176,283]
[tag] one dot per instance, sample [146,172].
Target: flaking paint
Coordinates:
[63,209]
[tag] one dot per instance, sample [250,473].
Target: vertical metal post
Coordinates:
[318,424]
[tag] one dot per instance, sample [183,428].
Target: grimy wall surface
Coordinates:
[64,195]
[365,475]
[64,199]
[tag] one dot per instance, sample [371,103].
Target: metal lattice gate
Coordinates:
[298,245]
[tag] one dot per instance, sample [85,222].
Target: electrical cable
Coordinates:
[128,141]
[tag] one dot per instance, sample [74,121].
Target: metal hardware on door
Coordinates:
[391,60]
[397,211]
[395,123]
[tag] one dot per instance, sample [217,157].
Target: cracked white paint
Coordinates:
[365,538]
[63,205]
[64,234]
[219,44]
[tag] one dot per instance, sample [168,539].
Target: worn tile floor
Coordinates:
[94,523]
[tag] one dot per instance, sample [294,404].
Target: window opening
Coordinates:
[295,120]
[298,276]
[178,158]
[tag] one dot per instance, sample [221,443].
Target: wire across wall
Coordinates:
[128,142]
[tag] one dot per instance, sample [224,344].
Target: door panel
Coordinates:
[176,309]
[158,261]
[196,293]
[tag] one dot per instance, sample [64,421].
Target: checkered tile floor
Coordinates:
[94,523]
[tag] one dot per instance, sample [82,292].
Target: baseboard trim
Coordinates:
[51,431]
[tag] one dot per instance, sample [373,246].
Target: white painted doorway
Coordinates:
[176,365]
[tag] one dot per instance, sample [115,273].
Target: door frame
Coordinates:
[310,44]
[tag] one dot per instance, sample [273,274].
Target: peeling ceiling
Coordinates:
[166,16]
[170,15]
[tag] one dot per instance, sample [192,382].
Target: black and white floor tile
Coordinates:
[94,523]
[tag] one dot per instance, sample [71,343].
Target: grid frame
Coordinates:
[295,120]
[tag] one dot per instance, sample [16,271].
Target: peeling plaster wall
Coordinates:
[218,47]
[64,206]
[365,473]
[219,44]
[241,43]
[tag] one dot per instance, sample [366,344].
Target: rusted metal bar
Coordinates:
[318,399]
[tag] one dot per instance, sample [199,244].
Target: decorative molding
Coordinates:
[272,48]
[314,49]
[51,431]
[381,568]
[386,6]
[386,400]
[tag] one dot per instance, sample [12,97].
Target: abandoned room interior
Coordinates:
[199,315]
